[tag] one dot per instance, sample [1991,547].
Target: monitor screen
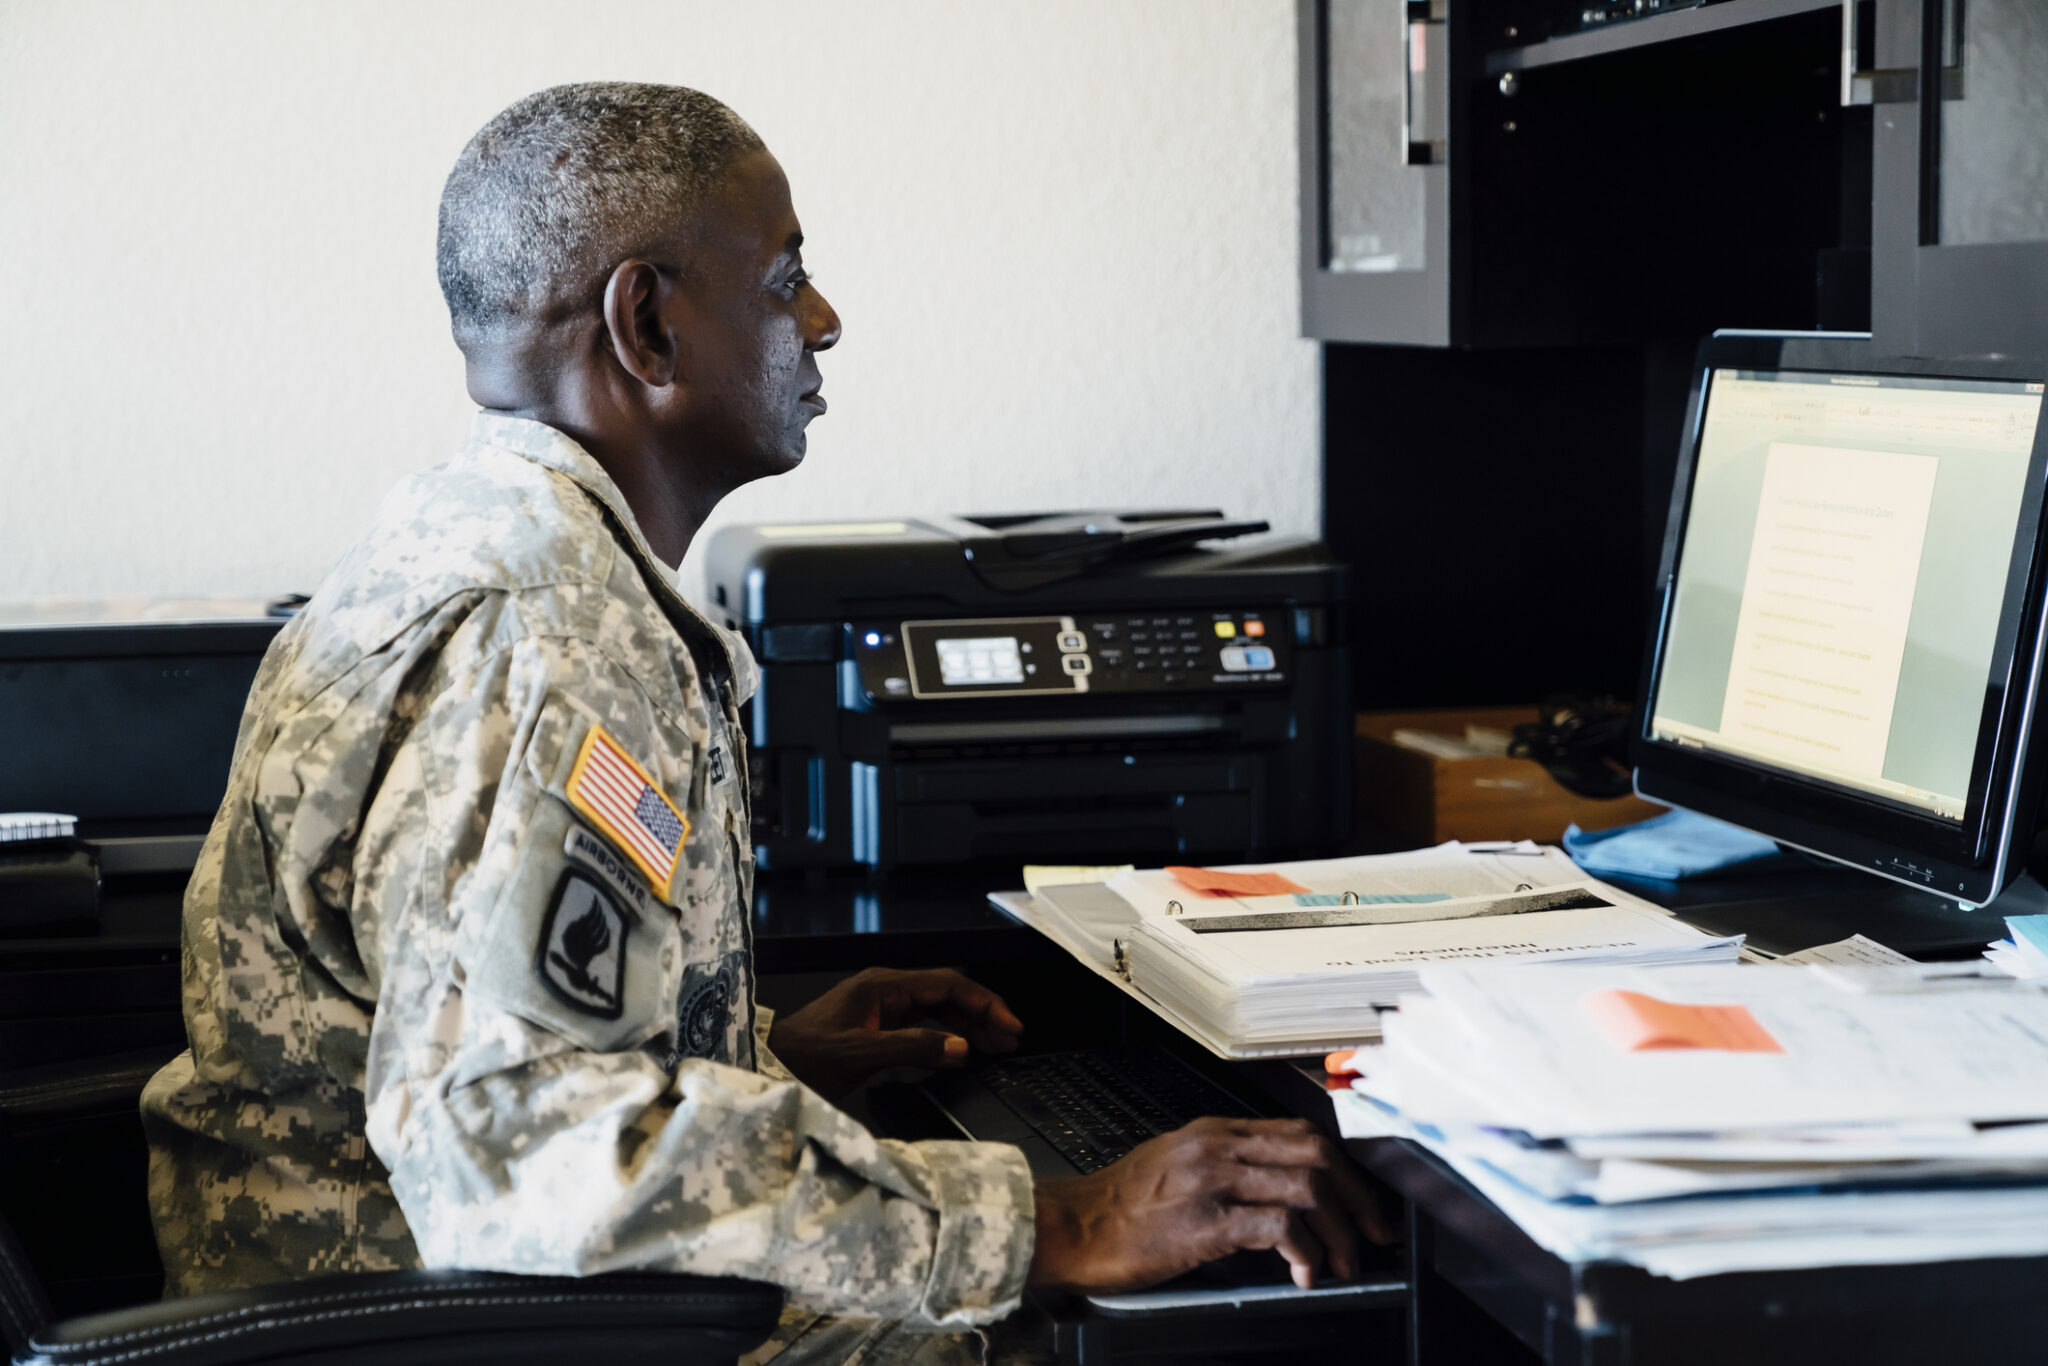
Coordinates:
[1845,561]
[1845,605]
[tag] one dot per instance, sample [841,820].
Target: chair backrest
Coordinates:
[24,1309]
[74,1174]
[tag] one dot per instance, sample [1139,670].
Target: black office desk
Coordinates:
[1466,1256]
[841,922]
[1482,1290]
[1473,1273]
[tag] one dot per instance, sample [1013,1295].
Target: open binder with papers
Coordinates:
[1308,970]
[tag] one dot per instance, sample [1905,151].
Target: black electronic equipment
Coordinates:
[128,726]
[1075,1113]
[1064,687]
[1849,653]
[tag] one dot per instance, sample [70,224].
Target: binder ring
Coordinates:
[1351,899]
[1173,908]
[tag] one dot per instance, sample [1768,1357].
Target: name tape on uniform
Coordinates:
[620,799]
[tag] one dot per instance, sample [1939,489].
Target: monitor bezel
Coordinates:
[1971,860]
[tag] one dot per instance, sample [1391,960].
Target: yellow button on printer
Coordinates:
[1226,629]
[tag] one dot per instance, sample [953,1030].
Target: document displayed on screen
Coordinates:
[1841,578]
[1833,564]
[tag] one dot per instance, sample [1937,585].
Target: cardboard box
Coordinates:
[1432,799]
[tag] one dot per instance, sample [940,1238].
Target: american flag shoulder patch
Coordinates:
[621,800]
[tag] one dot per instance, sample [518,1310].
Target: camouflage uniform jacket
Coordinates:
[447,1003]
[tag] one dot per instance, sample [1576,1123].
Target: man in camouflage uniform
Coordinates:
[468,979]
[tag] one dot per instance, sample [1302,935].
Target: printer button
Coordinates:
[1071,641]
[1075,664]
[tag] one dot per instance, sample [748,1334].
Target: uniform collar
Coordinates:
[544,445]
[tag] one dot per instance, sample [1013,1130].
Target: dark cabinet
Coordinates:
[1960,146]
[1375,222]
[1470,179]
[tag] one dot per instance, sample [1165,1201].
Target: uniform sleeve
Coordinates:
[527,1089]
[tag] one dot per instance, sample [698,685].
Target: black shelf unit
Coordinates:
[1625,35]
[1498,444]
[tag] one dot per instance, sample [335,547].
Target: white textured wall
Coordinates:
[1061,236]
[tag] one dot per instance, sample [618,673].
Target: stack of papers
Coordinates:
[2025,954]
[1703,1120]
[1302,957]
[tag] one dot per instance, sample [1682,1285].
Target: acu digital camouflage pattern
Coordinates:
[380,1076]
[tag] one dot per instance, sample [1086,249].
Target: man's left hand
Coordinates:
[858,1028]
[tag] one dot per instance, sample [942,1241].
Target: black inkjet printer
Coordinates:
[1046,688]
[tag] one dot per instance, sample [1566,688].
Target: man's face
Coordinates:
[755,326]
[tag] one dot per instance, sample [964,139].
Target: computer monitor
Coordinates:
[1848,651]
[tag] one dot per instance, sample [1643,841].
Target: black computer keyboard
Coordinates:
[1095,1106]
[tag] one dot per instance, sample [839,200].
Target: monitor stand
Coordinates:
[1784,912]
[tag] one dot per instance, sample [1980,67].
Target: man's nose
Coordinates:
[821,326]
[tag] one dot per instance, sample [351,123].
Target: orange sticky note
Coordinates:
[1339,1063]
[1236,884]
[1636,1022]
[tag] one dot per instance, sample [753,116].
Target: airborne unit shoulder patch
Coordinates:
[582,955]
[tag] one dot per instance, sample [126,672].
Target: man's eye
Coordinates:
[798,278]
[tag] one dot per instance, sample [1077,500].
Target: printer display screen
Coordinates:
[980,659]
[1070,656]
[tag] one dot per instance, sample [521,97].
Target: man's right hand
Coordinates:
[1200,1193]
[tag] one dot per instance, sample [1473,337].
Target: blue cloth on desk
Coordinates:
[1677,844]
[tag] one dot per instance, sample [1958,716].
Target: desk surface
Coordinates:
[841,921]
[1464,1252]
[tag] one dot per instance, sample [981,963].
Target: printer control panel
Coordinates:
[1129,652]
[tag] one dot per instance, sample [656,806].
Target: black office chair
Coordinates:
[72,1165]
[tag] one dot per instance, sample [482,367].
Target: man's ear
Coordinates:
[639,300]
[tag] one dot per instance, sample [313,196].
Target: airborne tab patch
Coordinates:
[620,799]
[582,953]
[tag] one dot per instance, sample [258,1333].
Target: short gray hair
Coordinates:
[555,191]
